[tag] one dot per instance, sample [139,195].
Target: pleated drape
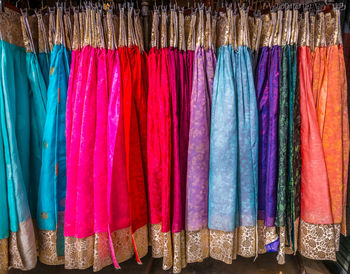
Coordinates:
[17,239]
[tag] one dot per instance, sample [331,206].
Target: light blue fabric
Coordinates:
[14,141]
[53,180]
[233,181]
[38,99]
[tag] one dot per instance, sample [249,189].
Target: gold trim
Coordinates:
[182,37]
[213,30]
[266,30]
[4,254]
[110,31]
[304,30]
[295,28]
[164,29]
[93,27]
[52,28]
[197,245]
[100,38]
[76,30]
[131,30]
[225,246]
[67,29]
[122,29]
[200,29]
[42,33]
[222,26]
[10,27]
[286,27]
[25,32]
[82,253]
[59,34]
[191,39]
[208,40]
[318,242]
[138,30]
[82,19]
[48,248]
[155,29]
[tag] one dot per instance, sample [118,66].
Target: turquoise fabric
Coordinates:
[38,99]
[14,141]
[44,63]
[233,174]
[52,188]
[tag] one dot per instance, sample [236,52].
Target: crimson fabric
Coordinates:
[130,62]
[159,138]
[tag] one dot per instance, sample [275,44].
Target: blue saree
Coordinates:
[52,188]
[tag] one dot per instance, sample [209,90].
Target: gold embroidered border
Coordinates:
[10,27]
[48,249]
[169,246]
[197,245]
[225,246]
[4,254]
[318,242]
[82,253]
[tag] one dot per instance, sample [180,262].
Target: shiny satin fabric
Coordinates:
[44,63]
[80,195]
[186,67]
[267,82]
[130,63]
[14,164]
[118,206]
[52,187]
[233,175]
[199,134]
[38,100]
[175,83]
[159,139]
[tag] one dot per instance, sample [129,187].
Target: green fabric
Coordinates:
[283,106]
[294,156]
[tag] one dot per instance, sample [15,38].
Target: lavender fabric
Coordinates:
[198,148]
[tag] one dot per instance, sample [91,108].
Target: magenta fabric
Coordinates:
[86,63]
[175,84]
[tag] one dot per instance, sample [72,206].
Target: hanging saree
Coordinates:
[316,215]
[186,65]
[134,104]
[159,145]
[288,184]
[38,98]
[52,186]
[17,239]
[43,43]
[197,233]
[233,148]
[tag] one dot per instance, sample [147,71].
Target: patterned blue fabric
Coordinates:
[53,180]
[233,174]
[14,139]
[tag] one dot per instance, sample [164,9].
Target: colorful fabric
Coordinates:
[15,146]
[233,172]
[51,200]
[199,134]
